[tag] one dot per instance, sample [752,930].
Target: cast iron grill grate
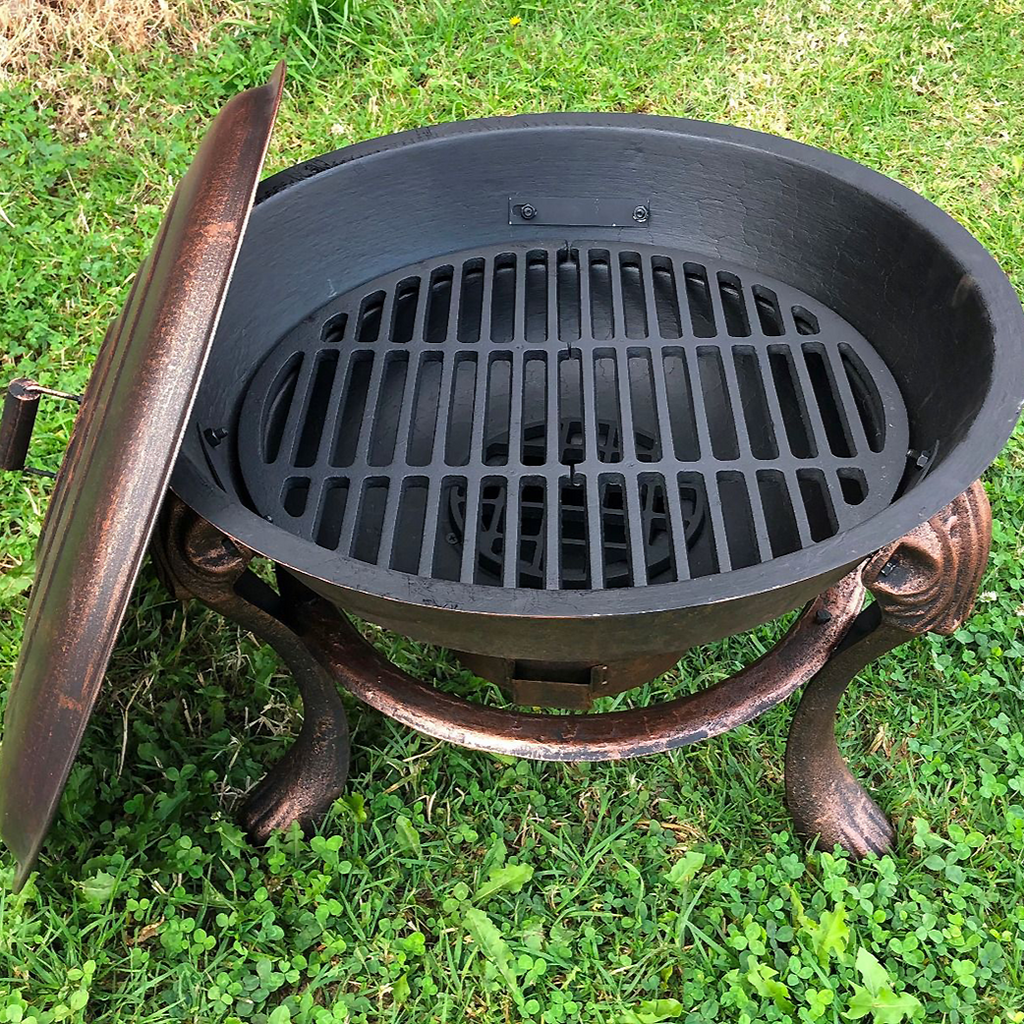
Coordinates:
[603,415]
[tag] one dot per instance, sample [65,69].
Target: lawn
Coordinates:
[450,885]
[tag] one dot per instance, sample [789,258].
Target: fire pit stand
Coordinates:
[925,582]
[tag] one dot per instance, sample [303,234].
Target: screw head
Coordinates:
[527,211]
[640,214]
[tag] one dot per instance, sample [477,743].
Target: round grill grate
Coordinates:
[604,416]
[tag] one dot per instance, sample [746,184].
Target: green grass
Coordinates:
[451,885]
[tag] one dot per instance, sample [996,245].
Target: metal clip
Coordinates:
[21,404]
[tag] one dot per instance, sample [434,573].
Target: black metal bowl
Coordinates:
[877,258]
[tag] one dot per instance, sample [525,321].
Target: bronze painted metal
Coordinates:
[118,466]
[925,582]
[194,560]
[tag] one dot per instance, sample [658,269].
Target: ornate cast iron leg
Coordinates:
[195,560]
[925,582]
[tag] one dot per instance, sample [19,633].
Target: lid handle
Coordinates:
[21,403]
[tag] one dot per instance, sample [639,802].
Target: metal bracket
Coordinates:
[21,403]
[566,211]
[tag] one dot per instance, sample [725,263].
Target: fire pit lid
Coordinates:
[117,467]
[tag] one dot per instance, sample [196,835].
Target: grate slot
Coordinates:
[666,298]
[491,531]
[602,321]
[526,540]
[740,533]
[604,391]
[536,296]
[565,417]
[698,298]
[793,408]
[658,529]
[389,409]
[439,305]
[421,432]
[295,496]
[503,299]
[830,403]
[821,515]
[497,410]
[853,485]
[682,407]
[717,403]
[783,533]
[333,331]
[277,409]
[533,430]
[331,516]
[352,409]
[448,536]
[403,320]
[634,301]
[616,549]
[766,302]
[804,321]
[471,303]
[734,306]
[754,400]
[409,524]
[646,431]
[701,546]
[866,399]
[568,292]
[461,408]
[369,519]
[570,534]
[370,317]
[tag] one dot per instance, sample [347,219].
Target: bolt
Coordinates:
[822,615]
[528,212]
[640,214]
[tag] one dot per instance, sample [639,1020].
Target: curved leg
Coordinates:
[925,582]
[195,560]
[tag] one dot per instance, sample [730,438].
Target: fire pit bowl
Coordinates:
[567,394]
